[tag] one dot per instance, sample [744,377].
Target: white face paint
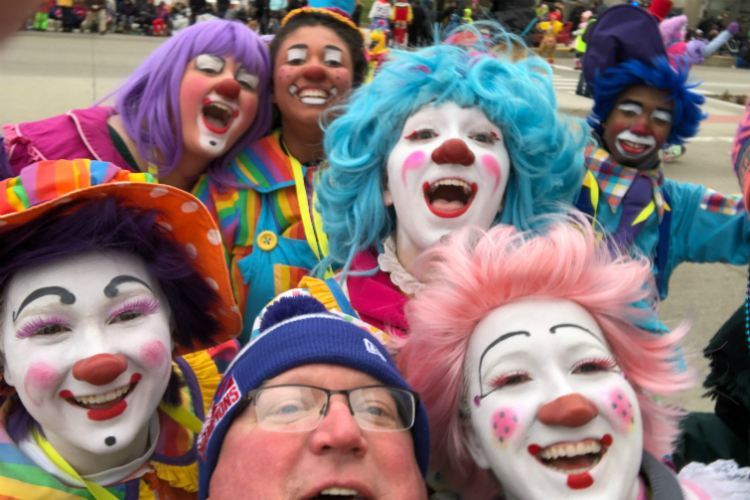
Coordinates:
[220,120]
[633,146]
[435,191]
[552,414]
[87,343]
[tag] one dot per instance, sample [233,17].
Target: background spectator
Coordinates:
[417,24]
[66,6]
[96,10]
[197,7]
[575,14]
[222,6]
[430,18]
[127,14]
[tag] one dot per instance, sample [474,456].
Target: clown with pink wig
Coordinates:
[537,383]
[190,107]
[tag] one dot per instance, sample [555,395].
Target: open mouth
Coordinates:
[217,116]
[634,148]
[572,457]
[103,406]
[313,96]
[339,494]
[449,198]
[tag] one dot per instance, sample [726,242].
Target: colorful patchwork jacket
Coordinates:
[269,229]
[170,474]
[684,222]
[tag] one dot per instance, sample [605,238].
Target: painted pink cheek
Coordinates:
[505,424]
[155,355]
[492,167]
[343,78]
[40,378]
[413,162]
[620,409]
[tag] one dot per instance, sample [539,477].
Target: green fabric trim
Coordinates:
[121,148]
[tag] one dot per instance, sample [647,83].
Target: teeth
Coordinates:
[570,449]
[103,398]
[452,182]
[221,106]
[314,93]
[339,492]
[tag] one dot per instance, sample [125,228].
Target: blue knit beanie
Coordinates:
[298,331]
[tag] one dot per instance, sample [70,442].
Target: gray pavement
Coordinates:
[45,74]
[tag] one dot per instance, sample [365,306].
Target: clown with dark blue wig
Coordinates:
[441,138]
[641,105]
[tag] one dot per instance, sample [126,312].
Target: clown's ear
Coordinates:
[475,449]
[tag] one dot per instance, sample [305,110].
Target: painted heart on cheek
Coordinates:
[619,407]
[505,425]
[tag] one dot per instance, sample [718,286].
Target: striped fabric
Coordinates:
[48,180]
[614,180]
[171,472]
[237,210]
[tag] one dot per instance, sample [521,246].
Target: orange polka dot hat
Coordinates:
[46,185]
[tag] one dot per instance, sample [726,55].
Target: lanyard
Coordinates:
[177,413]
[318,242]
[99,492]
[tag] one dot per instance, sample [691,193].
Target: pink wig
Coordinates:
[476,272]
[671,29]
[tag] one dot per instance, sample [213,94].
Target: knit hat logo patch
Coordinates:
[374,350]
[226,402]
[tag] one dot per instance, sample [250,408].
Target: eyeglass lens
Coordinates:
[296,408]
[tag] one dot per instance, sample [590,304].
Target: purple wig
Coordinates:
[149,101]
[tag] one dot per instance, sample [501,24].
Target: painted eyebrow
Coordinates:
[665,110]
[66,297]
[110,291]
[333,47]
[297,46]
[502,337]
[554,329]
[631,101]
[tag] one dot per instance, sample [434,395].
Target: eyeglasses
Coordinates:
[300,408]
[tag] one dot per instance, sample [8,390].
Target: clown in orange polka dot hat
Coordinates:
[114,303]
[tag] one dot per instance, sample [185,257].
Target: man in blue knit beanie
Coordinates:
[313,408]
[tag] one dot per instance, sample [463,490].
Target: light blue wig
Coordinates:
[545,148]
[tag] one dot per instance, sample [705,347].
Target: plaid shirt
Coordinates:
[614,180]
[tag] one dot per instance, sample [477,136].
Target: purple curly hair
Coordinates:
[148,102]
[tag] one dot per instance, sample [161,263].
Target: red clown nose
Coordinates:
[228,88]
[100,369]
[454,152]
[571,410]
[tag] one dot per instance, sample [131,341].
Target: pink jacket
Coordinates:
[80,133]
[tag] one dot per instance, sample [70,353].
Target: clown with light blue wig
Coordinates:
[441,138]
[191,106]
[643,104]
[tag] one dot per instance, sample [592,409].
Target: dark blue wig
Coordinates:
[660,74]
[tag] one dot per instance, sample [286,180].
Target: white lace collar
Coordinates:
[388,261]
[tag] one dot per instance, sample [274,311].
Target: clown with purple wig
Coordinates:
[264,200]
[109,333]
[190,107]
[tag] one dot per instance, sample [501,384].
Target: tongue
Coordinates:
[448,206]
[572,463]
[214,121]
